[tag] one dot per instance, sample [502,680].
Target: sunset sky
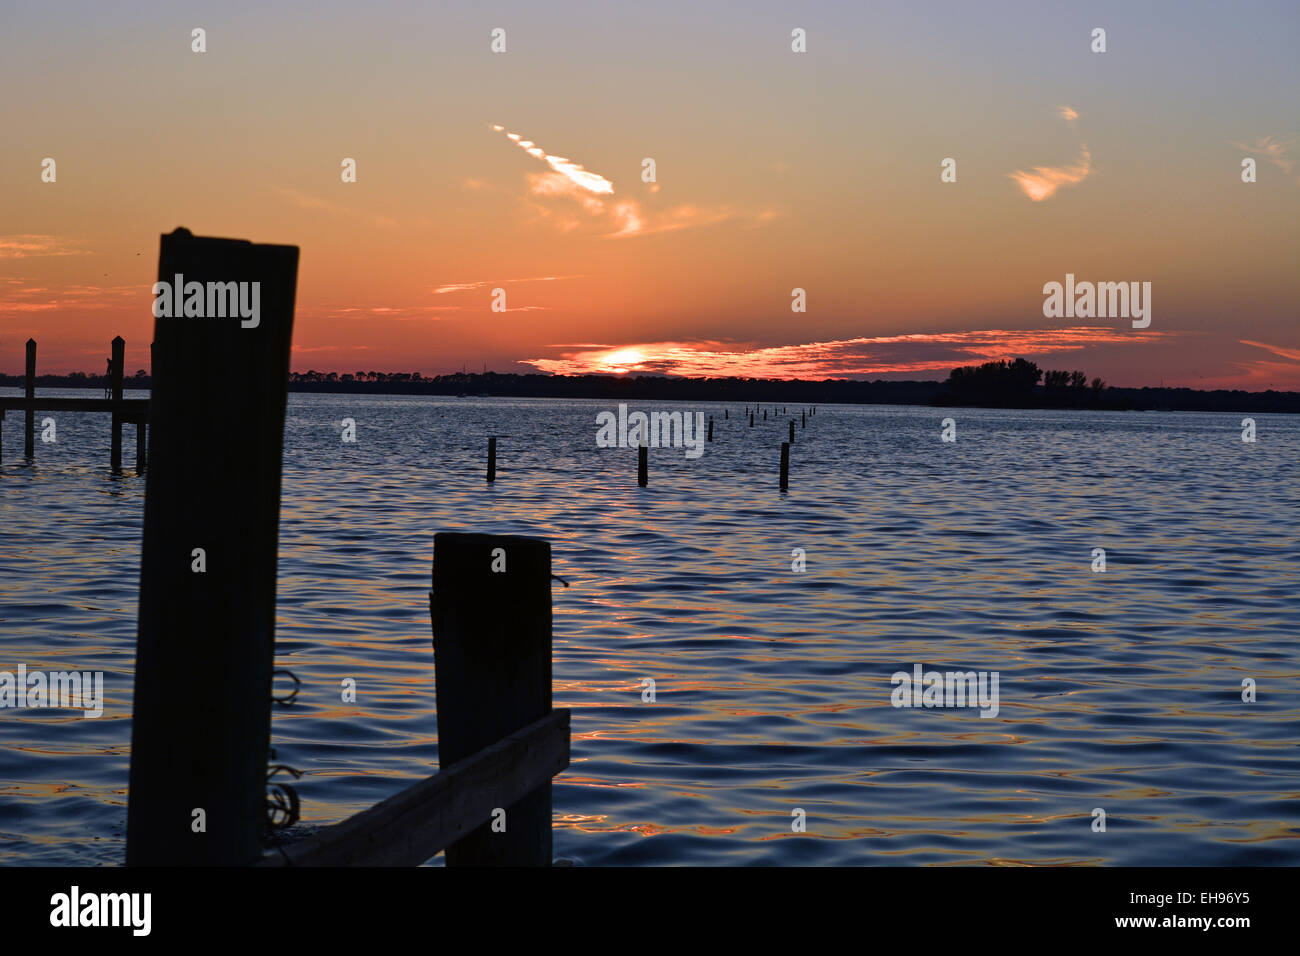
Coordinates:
[775,170]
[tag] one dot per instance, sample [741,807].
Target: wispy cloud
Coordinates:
[574,172]
[30,245]
[843,358]
[18,296]
[1273,151]
[1042,182]
[592,194]
[452,287]
[1275,349]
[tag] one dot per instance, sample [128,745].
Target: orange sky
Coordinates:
[775,171]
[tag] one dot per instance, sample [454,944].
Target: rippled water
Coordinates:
[1119,690]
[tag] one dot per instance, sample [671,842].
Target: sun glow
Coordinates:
[621,360]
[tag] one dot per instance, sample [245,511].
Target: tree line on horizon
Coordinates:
[1000,384]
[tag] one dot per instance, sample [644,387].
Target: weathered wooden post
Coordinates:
[492,460]
[725,414]
[29,443]
[491,611]
[710,428]
[785,466]
[642,465]
[751,419]
[141,452]
[765,414]
[803,418]
[115,384]
[204,655]
[792,431]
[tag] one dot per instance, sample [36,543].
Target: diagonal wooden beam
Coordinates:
[413,826]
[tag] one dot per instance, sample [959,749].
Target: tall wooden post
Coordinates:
[491,614]
[492,460]
[29,444]
[206,644]
[642,465]
[115,384]
[785,466]
[792,431]
[710,428]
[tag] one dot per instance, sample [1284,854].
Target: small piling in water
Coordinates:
[725,415]
[115,380]
[765,414]
[792,431]
[710,428]
[29,444]
[785,466]
[492,459]
[642,465]
[751,419]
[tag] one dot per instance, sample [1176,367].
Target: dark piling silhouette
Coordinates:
[492,460]
[205,652]
[491,615]
[115,387]
[785,466]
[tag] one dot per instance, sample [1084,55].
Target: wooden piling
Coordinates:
[792,431]
[29,391]
[725,414]
[491,614]
[710,428]
[642,465]
[803,419]
[751,419]
[492,460]
[785,466]
[115,384]
[204,656]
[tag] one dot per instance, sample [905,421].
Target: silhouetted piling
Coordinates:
[201,727]
[115,380]
[791,431]
[710,428]
[725,415]
[751,419]
[785,466]
[803,419]
[765,414]
[642,465]
[29,443]
[491,614]
[492,460]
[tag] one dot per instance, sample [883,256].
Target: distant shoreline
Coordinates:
[741,391]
